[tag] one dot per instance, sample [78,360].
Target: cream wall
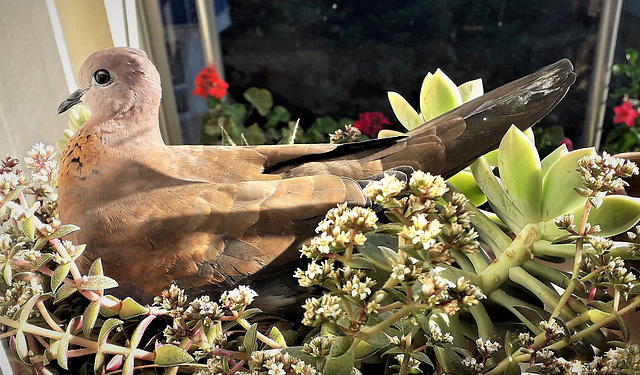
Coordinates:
[32,81]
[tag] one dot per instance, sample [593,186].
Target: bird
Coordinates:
[212,217]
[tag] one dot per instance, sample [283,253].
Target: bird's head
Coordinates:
[116,82]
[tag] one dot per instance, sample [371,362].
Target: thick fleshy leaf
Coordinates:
[617,214]
[89,317]
[386,133]
[491,187]
[65,291]
[552,157]
[108,326]
[171,355]
[466,184]
[98,282]
[471,90]
[28,227]
[277,336]
[558,183]
[21,346]
[438,96]
[423,92]
[131,308]
[405,113]
[96,268]
[341,365]
[521,173]
[290,137]
[63,230]
[59,274]
[250,341]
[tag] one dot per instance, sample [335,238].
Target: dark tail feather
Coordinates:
[477,127]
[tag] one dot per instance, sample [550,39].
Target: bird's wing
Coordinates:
[201,233]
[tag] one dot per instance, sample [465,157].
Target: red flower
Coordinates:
[567,142]
[208,82]
[625,113]
[370,123]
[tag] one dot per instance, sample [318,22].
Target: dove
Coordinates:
[211,217]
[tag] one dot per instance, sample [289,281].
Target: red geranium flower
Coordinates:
[370,123]
[625,113]
[567,142]
[208,82]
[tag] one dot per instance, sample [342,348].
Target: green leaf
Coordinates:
[226,139]
[616,215]
[108,326]
[65,291]
[360,262]
[63,230]
[250,313]
[28,227]
[521,173]
[26,309]
[279,114]
[43,260]
[290,137]
[261,99]
[471,90]
[500,201]
[464,182]
[405,113]
[109,312]
[96,268]
[552,157]
[171,355]
[130,308]
[250,341]
[7,273]
[340,345]
[277,336]
[98,282]
[59,275]
[89,317]
[386,133]
[21,346]
[438,95]
[562,176]
[341,365]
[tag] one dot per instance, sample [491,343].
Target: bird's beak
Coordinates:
[73,99]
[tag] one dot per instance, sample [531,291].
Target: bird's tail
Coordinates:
[452,141]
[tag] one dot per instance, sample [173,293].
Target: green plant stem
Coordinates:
[543,292]
[76,340]
[47,317]
[580,319]
[582,232]
[401,313]
[246,325]
[545,248]
[515,255]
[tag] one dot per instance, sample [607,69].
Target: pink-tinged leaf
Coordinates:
[21,346]
[129,365]
[115,363]
[139,331]
[27,307]
[106,328]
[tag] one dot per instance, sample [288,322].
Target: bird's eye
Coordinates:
[101,76]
